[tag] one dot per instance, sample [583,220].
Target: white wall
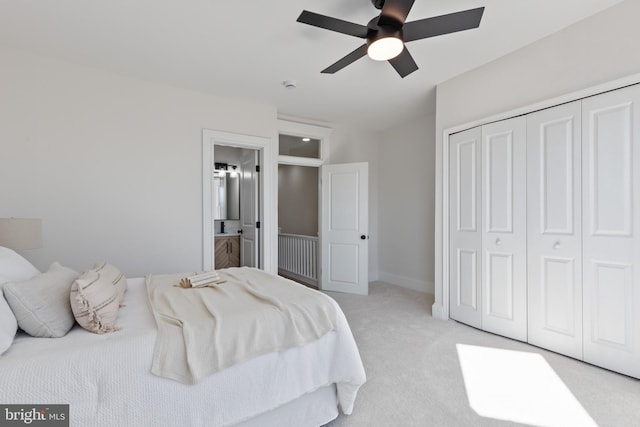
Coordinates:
[596,50]
[406,204]
[227,154]
[111,164]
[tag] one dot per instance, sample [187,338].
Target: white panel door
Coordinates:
[249,203]
[344,228]
[465,236]
[611,230]
[554,229]
[504,240]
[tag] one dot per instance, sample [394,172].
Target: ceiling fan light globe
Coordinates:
[385,48]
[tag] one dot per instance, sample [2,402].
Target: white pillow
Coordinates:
[41,304]
[14,267]
[95,300]
[8,325]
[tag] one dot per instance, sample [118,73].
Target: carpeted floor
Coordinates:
[414,376]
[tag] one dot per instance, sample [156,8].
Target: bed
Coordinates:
[106,378]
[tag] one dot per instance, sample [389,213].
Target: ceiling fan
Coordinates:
[387,33]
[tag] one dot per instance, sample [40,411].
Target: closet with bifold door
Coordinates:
[488,228]
[554,229]
[544,228]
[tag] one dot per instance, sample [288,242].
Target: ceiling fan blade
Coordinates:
[404,63]
[349,59]
[333,24]
[444,24]
[396,10]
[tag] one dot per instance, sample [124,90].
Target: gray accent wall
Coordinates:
[298,199]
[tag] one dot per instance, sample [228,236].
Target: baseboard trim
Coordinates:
[407,282]
[438,312]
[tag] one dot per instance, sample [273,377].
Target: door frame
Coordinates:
[440,307]
[268,241]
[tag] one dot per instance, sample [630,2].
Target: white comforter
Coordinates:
[249,313]
[106,379]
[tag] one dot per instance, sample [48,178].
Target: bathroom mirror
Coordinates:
[226,195]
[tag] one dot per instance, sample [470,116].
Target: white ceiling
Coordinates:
[246,49]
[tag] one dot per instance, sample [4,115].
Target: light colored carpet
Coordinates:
[414,376]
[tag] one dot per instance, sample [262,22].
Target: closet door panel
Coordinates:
[554,230]
[499,285]
[504,309]
[464,227]
[611,243]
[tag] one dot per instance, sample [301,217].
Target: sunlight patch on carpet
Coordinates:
[518,386]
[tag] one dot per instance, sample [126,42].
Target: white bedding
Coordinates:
[106,379]
[249,313]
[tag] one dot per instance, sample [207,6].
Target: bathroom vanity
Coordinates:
[227,250]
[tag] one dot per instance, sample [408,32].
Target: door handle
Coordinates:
[363,237]
[556,245]
[498,241]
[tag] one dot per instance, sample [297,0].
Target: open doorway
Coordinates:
[298,223]
[235,207]
[302,149]
[262,201]
[328,205]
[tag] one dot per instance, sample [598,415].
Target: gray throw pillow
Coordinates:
[41,304]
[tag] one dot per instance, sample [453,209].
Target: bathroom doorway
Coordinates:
[254,240]
[235,207]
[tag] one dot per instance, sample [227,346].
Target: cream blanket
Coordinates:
[204,330]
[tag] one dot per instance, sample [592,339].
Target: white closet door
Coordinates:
[504,258]
[611,230]
[554,229]
[465,235]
